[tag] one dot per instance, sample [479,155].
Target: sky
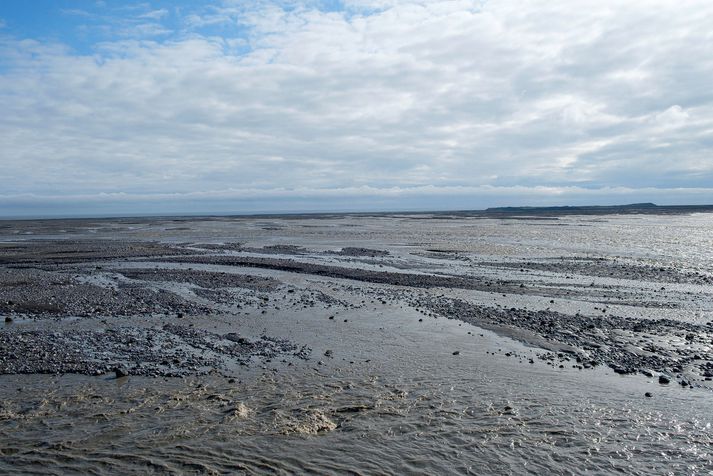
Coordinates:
[170,107]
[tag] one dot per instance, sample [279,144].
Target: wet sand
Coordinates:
[115,313]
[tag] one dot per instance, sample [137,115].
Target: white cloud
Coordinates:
[674,116]
[155,14]
[76,12]
[597,95]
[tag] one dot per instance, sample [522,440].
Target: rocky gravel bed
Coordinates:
[356,252]
[45,253]
[277,250]
[83,279]
[590,292]
[673,348]
[36,292]
[204,279]
[607,268]
[219,246]
[171,350]
[365,275]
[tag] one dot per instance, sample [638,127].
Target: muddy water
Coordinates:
[384,392]
[414,407]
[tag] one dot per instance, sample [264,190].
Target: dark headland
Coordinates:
[520,211]
[647,208]
[630,209]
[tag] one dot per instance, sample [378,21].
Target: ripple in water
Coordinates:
[290,424]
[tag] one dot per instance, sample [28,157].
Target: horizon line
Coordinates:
[503,210]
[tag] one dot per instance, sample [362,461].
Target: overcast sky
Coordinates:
[242,106]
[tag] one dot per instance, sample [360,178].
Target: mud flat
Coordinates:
[424,333]
[626,344]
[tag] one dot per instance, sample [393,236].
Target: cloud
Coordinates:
[155,14]
[674,116]
[78,12]
[386,95]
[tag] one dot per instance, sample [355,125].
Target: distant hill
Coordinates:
[572,208]
[632,208]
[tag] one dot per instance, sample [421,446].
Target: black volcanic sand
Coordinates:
[43,282]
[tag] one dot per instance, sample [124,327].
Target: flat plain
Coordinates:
[383,343]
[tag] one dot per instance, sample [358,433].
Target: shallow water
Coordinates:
[392,398]
[418,409]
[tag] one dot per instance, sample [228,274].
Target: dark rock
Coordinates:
[121,372]
[663,379]
[353,409]
[648,394]
[234,337]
